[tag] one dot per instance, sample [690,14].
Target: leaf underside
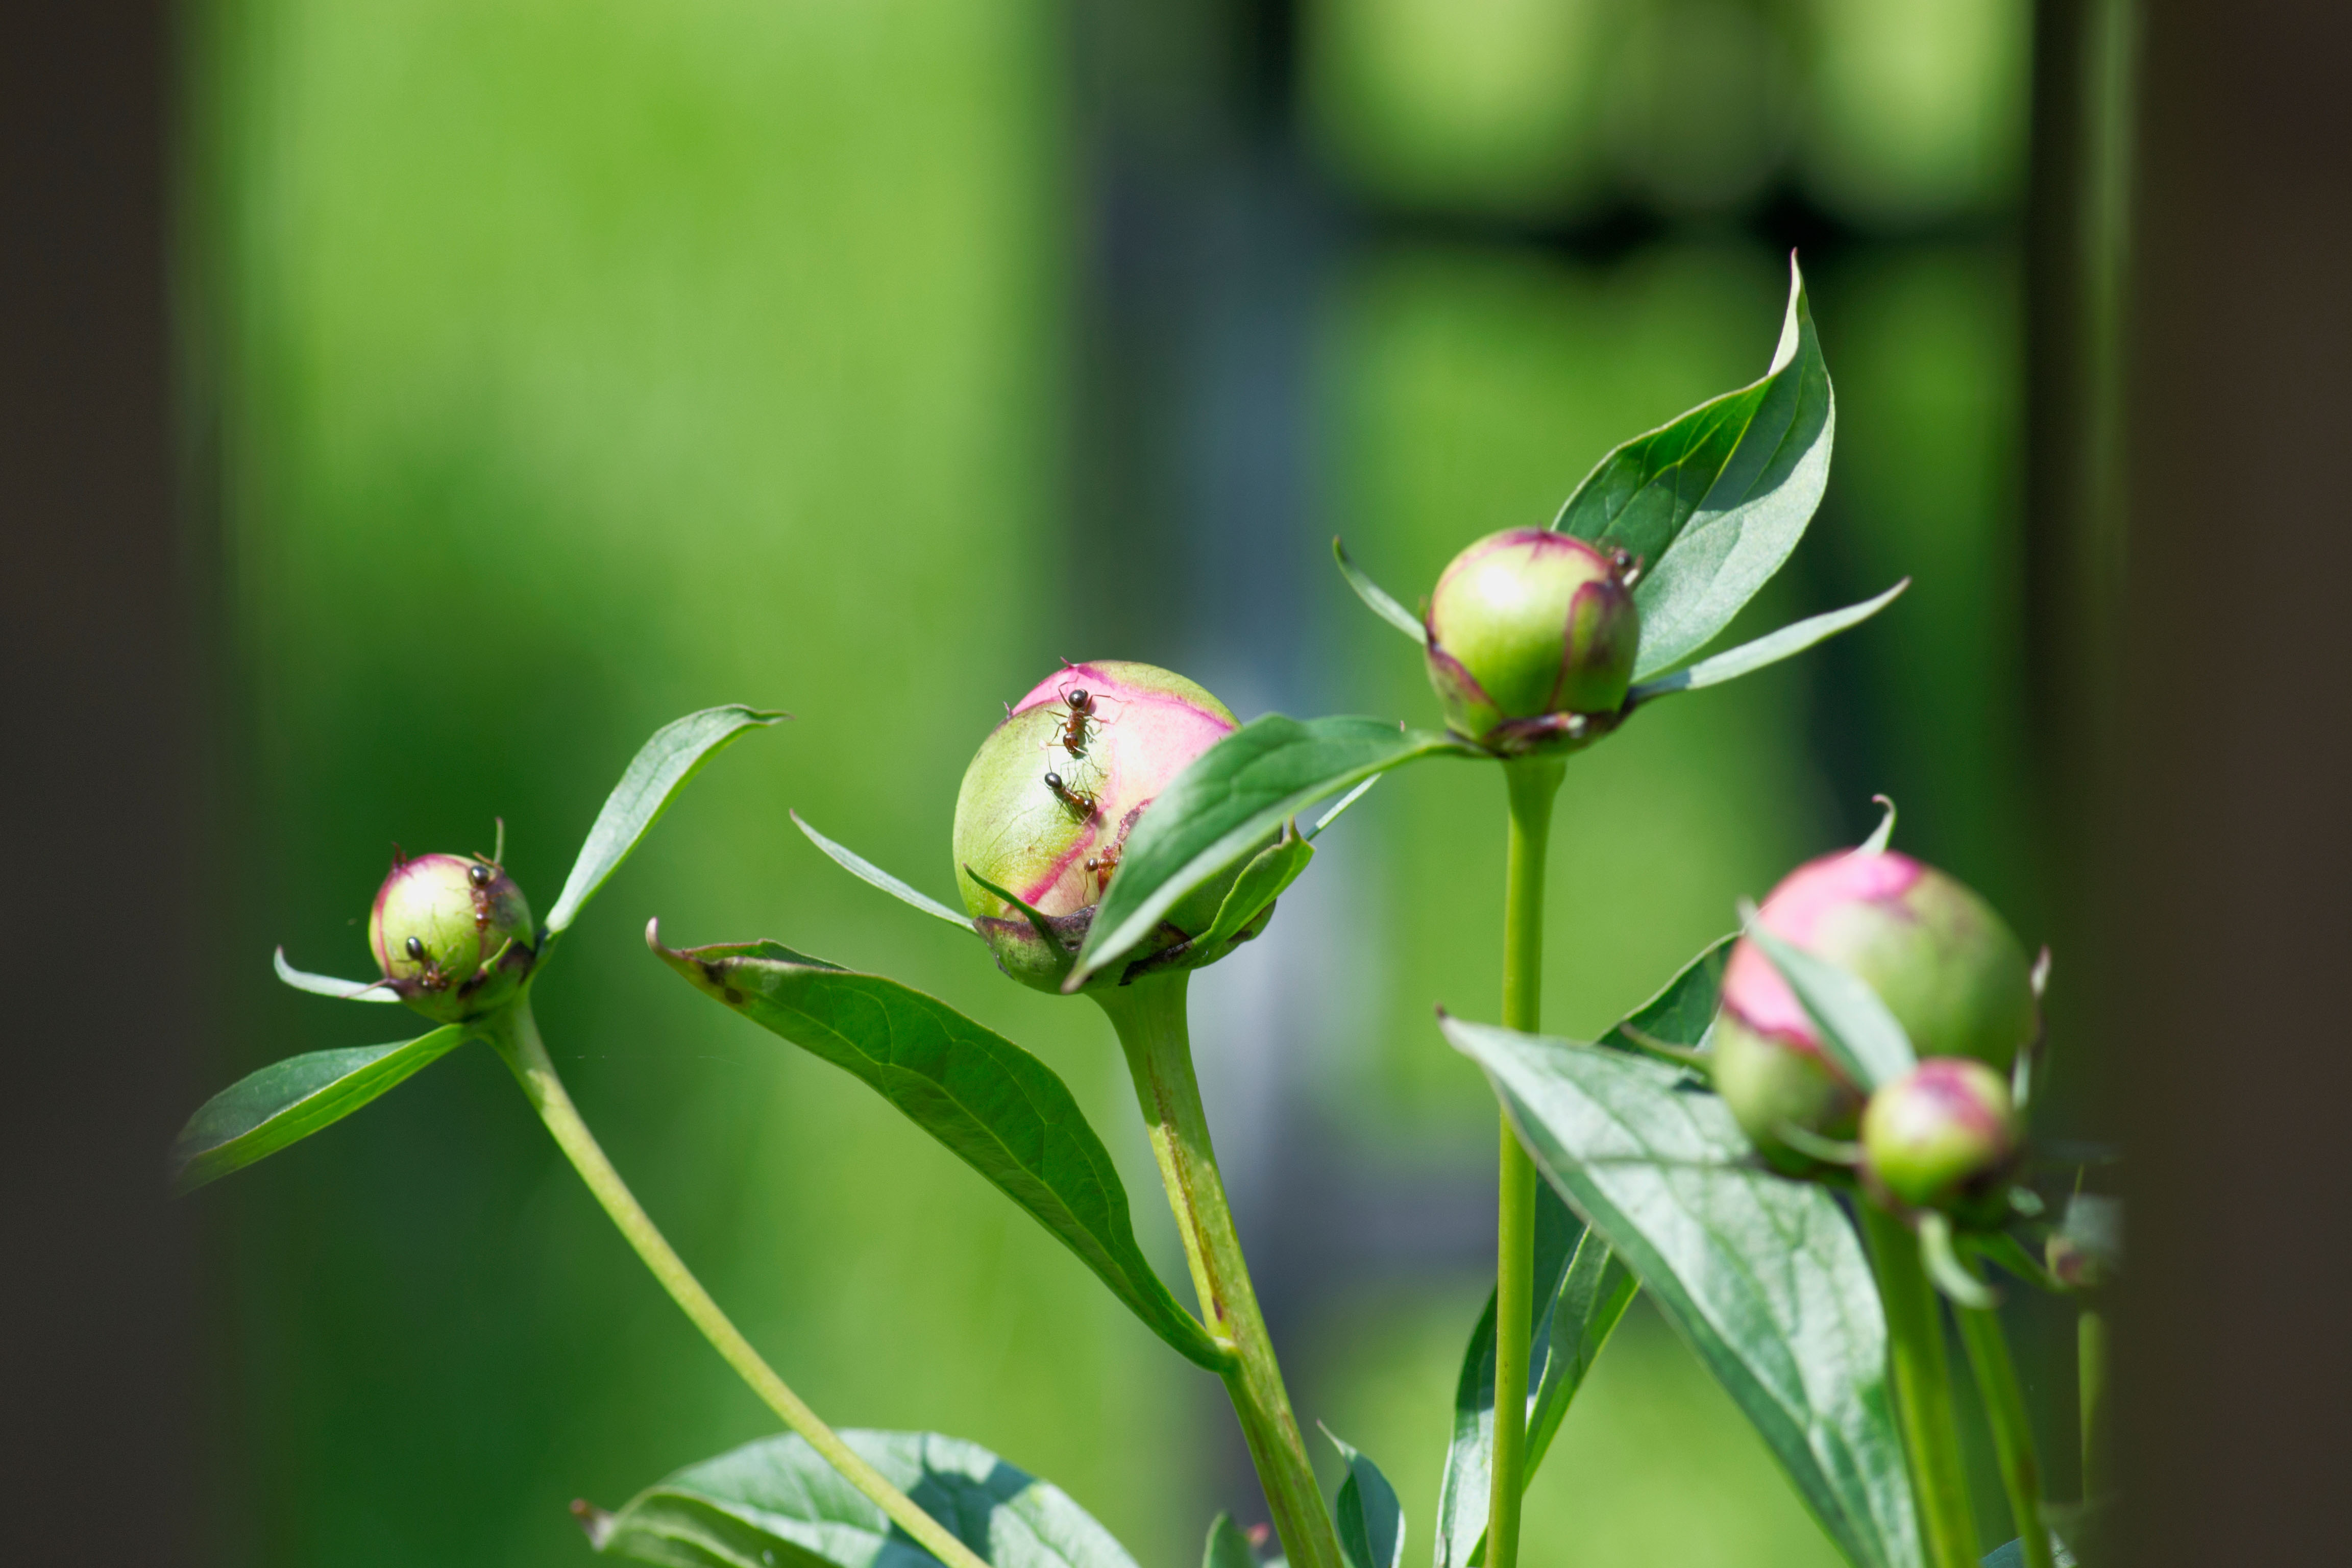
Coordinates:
[776,1503]
[1763,1275]
[993,1105]
[1233,798]
[1770,649]
[328,986]
[1714,501]
[663,766]
[286,1102]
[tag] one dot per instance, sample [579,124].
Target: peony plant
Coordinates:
[1808,1138]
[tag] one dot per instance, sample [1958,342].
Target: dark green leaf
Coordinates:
[661,768]
[1763,1275]
[1231,800]
[1228,1547]
[1683,1012]
[993,1105]
[327,985]
[1382,603]
[286,1102]
[1716,500]
[858,866]
[1371,1524]
[776,1503]
[1857,1031]
[1580,1293]
[1770,649]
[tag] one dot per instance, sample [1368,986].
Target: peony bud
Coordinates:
[1942,1136]
[1531,640]
[1946,965]
[452,934]
[1053,792]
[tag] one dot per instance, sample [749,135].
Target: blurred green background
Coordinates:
[568,367]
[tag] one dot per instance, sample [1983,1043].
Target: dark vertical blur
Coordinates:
[100,792]
[2225,879]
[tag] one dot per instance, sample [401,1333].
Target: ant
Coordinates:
[434,978]
[1080,801]
[1084,711]
[1625,565]
[1102,866]
[479,875]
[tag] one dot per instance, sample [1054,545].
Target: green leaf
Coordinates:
[661,768]
[776,1503]
[1262,881]
[1582,1292]
[1229,802]
[327,985]
[1227,1547]
[993,1105]
[286,1102]
[1371,1524]
[858,866]
[1763,1275]
[1716,500]
[1857,1031]
[1347,800]
[1770,649]
[1383,604]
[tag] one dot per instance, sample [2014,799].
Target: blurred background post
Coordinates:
[546,371]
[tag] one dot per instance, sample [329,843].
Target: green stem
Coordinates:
[1534,784]
[2013,1431]
[2090,1354]
[515,1034]
[1149,1015]
[1922,1390]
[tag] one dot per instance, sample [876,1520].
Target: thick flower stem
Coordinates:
[1922,1390]
[1534,784]
[515,1034]
[1150,1017]
[2013,1432]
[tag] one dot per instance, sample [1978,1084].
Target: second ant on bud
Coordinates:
[1078,800]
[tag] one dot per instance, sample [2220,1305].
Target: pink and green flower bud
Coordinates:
[1053,795]
[1948,967]
[452,935]
[1942,1136]
[1531,640]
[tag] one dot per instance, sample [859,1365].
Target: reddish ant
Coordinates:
[1082,711]
[1078,800]
[1102,866]
[478,877]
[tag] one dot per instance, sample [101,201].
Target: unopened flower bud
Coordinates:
[1052,794]
[1942,1136]
[1945,964]
[1531,640]
[452,934]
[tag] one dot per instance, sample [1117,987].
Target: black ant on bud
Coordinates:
[434,978]
[1078,800]
[1625,565]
